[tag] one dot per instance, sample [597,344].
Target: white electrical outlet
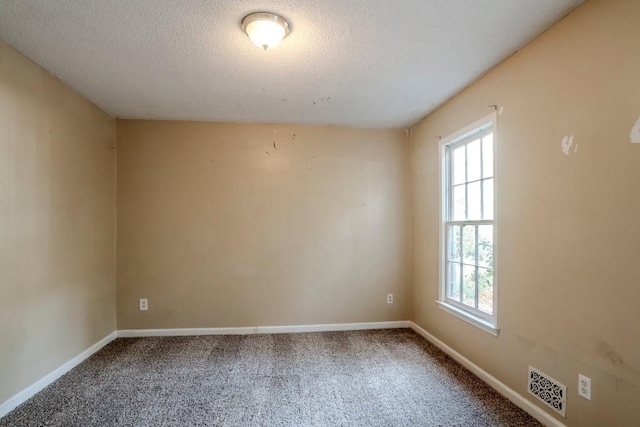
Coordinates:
[584,386]
[144,304]
[389,298]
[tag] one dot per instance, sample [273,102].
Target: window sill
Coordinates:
[469,318]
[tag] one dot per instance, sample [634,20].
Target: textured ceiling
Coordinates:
[366,63]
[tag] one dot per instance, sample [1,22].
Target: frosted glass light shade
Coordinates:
[266,30]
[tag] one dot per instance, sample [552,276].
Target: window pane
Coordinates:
[458,164]
[473,160]
[485,290]
[468,197]
[474,199]
[458,203]
[469,285]
[469,244]
[453,287]
[485,245]
[455,243]
[488,198]
[487,156]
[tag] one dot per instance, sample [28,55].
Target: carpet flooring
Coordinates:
[358,378]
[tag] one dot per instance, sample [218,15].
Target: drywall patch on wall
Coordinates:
[567,143]
[634,135]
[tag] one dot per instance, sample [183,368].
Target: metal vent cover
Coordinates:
[547,390]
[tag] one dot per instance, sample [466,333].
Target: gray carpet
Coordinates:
[359,378]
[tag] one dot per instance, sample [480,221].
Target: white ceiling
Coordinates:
[365,63]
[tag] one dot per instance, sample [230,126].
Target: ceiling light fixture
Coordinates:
[265,29]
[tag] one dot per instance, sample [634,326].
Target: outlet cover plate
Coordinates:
[584,386]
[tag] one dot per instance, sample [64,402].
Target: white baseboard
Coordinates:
[129,333]
[496,384]
[34,388]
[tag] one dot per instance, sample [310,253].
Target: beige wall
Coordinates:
[229,225]
[568,226]
[255,225]
[57,223]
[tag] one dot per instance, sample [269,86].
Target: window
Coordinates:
[468,285]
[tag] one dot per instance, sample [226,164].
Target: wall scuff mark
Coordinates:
[634,135]
[609,352]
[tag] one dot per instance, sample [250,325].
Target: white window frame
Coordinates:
[484,321]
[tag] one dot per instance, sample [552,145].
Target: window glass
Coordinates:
[468,194]
[474,161]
